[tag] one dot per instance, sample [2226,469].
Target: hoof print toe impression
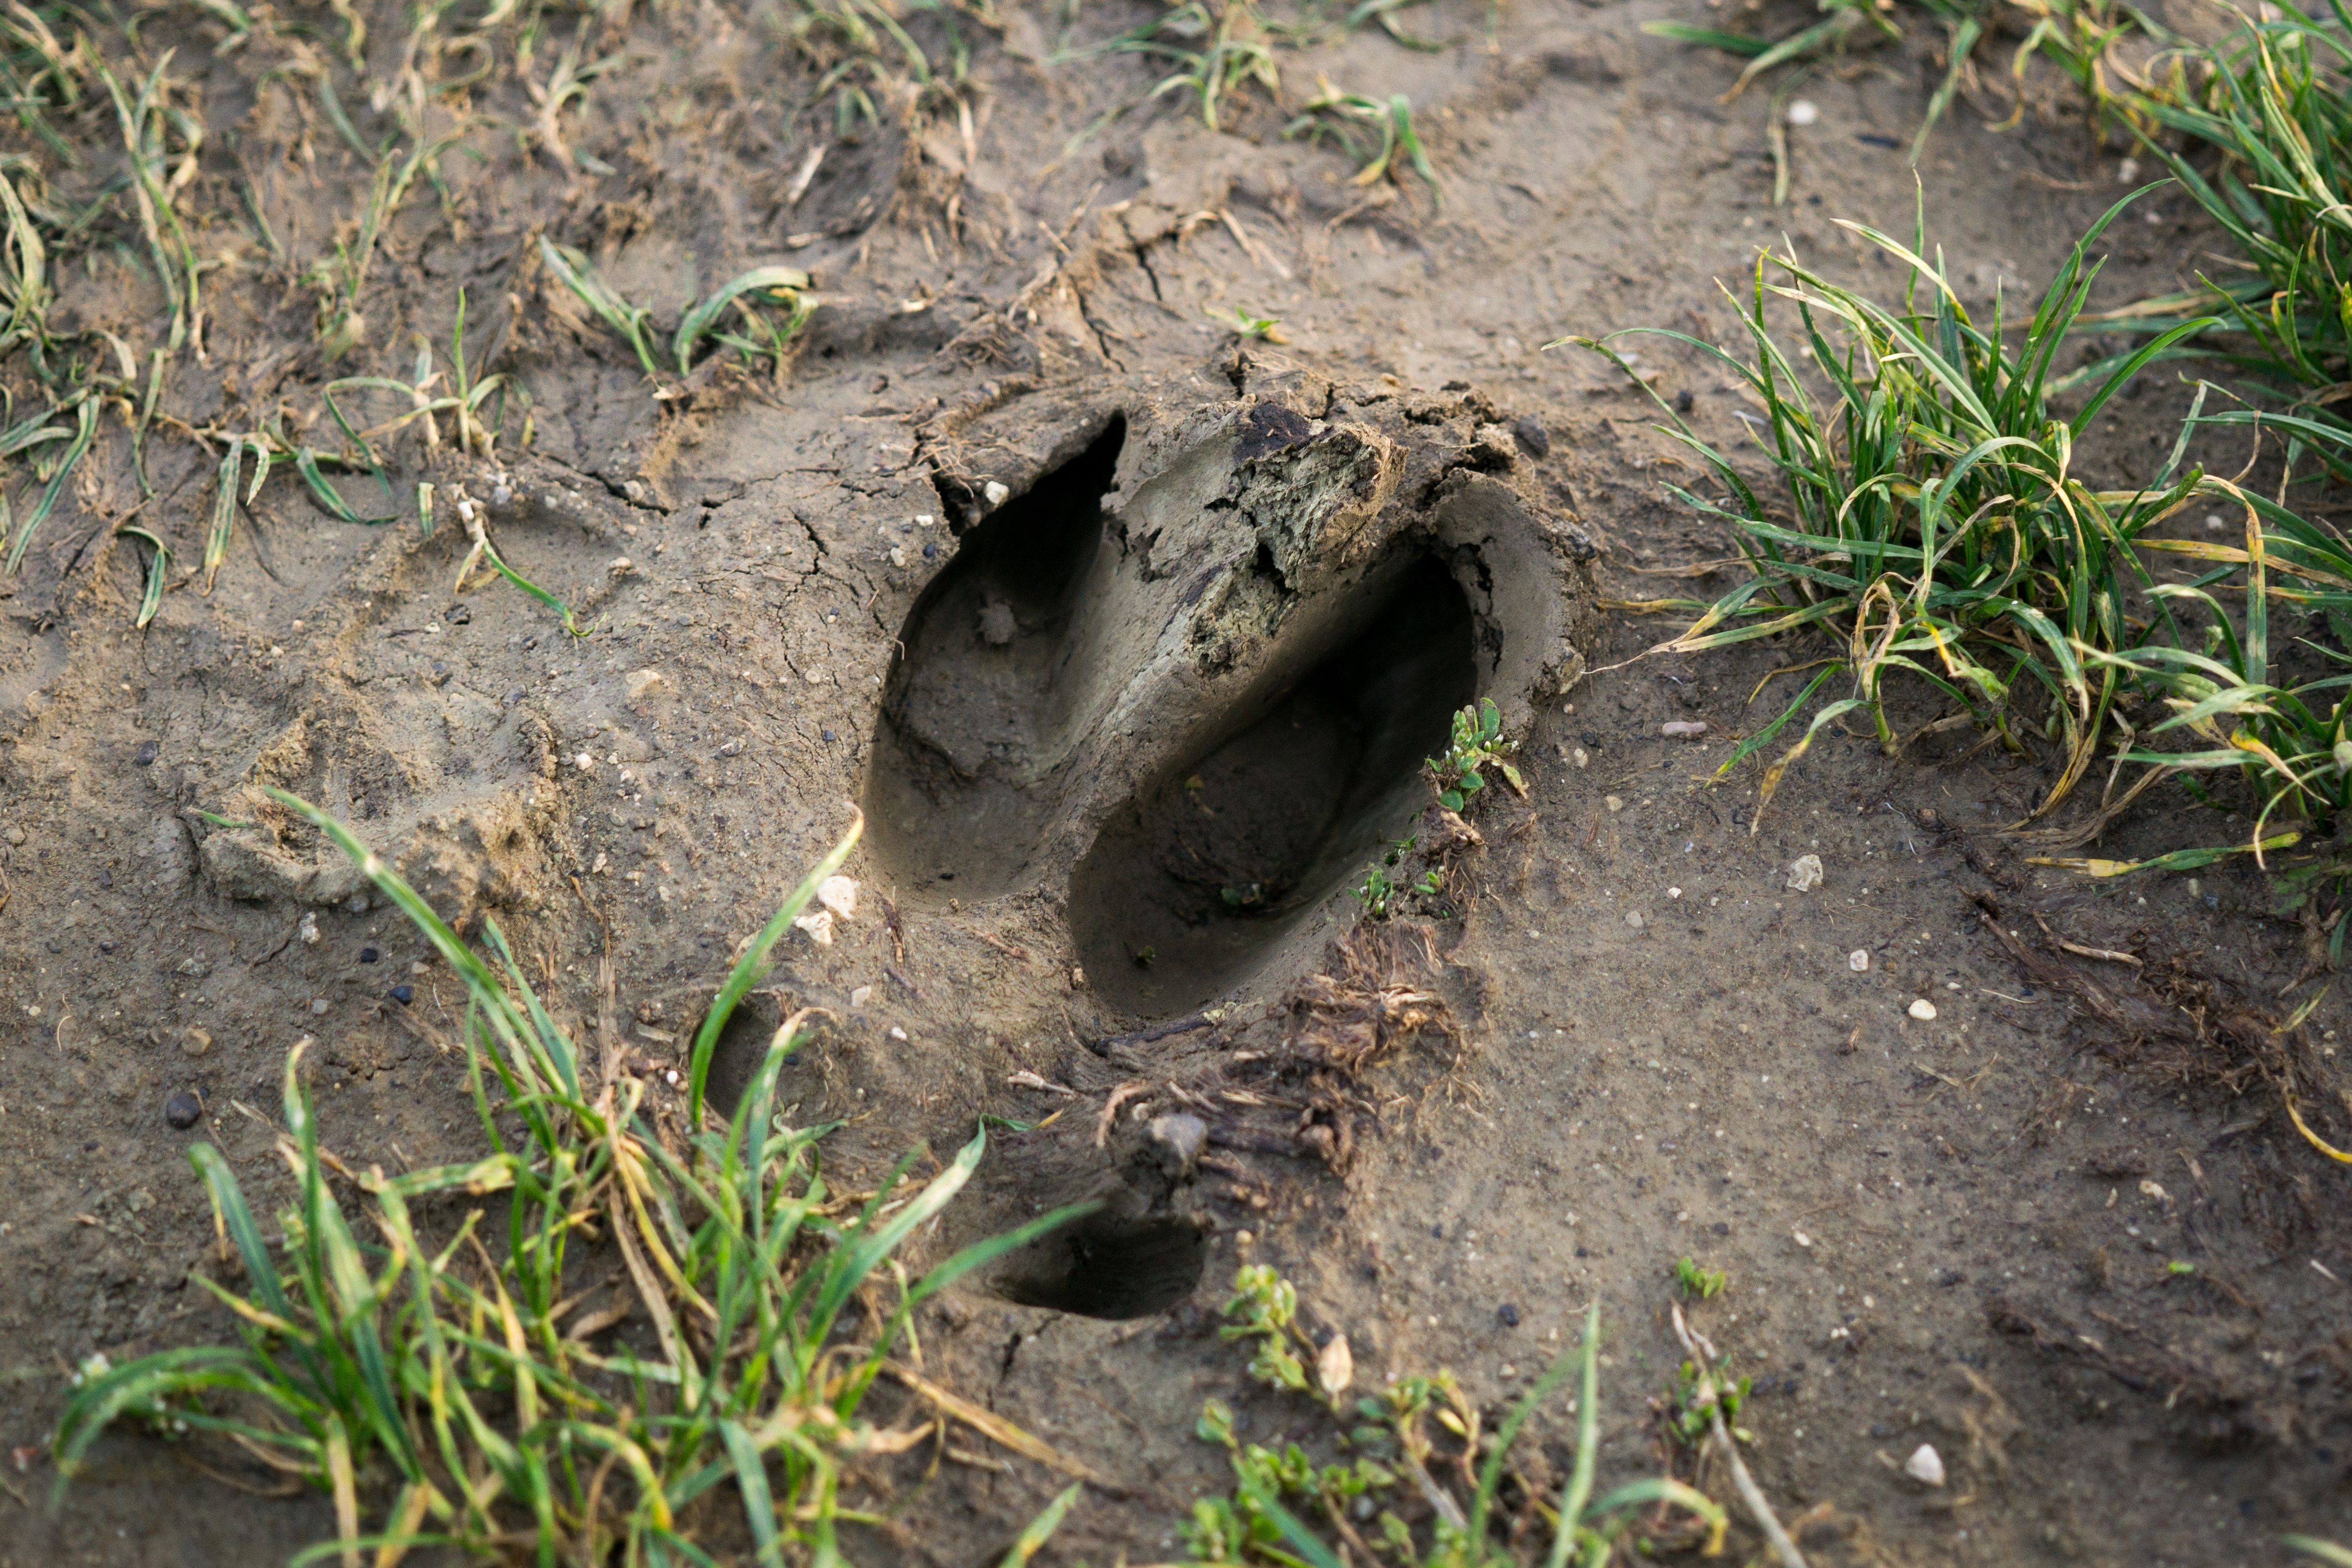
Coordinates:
[1190,676]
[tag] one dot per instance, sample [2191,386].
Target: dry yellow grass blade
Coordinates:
[998,1430]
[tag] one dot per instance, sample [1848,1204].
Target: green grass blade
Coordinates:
[159,566]
[790,282]
[85,426]
[230,1208]
[753,964]
[1035,1535]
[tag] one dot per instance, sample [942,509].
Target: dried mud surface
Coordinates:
[1021,547]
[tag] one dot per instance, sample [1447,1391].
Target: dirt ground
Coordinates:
[1119,775]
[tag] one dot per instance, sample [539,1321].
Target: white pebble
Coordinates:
[1683,729]
[1580,758]
[1858,960]
[583,762]
[1805,111]
[819,926]
[2215,522]
[1673,892]
[996,493]
[309,930]
[1925,1465]
[1804,873]
[839,894]
[857,997]
[1923,1010]
[1634,919]
[1801,1238]
[1613,803]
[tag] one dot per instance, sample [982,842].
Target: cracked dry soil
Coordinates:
[1130,641]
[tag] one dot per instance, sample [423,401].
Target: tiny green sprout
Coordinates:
[1698,1392]
[1379,894]
[2179,1266]
[1477,743]
[1250,328]
[1248,896]
[1696,1283]
[1143,957]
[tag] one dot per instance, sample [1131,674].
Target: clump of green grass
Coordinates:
[452,1367]
[1377,135]
[2263,127]
[783,287]
[1933,526]
[1410,1439]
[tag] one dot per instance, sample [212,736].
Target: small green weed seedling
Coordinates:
[1383,895]
[1404,1441]
[1697,1393]
[1478,744]
[1249,328]
[1697,1284]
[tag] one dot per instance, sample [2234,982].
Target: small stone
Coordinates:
[819,926]
[732,749]
[898,1034]
[369,955]
[1508,1313]
[1858,960]
[1533,439]
[1801,1238]
[404,994]
[356,905]
[318,1006]
[145,756]
[1614,803]
[195,1042]
[858,996]
[1335,1366]
[308,930]
[640,681]
[1803,112]
[996,623]
[1683,729]
[460,614]
[1804,873]
[1925,1465]
[1673,892]
[1923,1010]
[839,894]
[1580,757]
[583,762]
[183,1111]
[501,497]
[995,494]
[1634,919]
[1182,1133]
[15,835]
[1077,978]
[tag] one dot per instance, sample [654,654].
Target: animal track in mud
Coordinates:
[1195,874]
[1106,1268]
[1187,680]
[976,709]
